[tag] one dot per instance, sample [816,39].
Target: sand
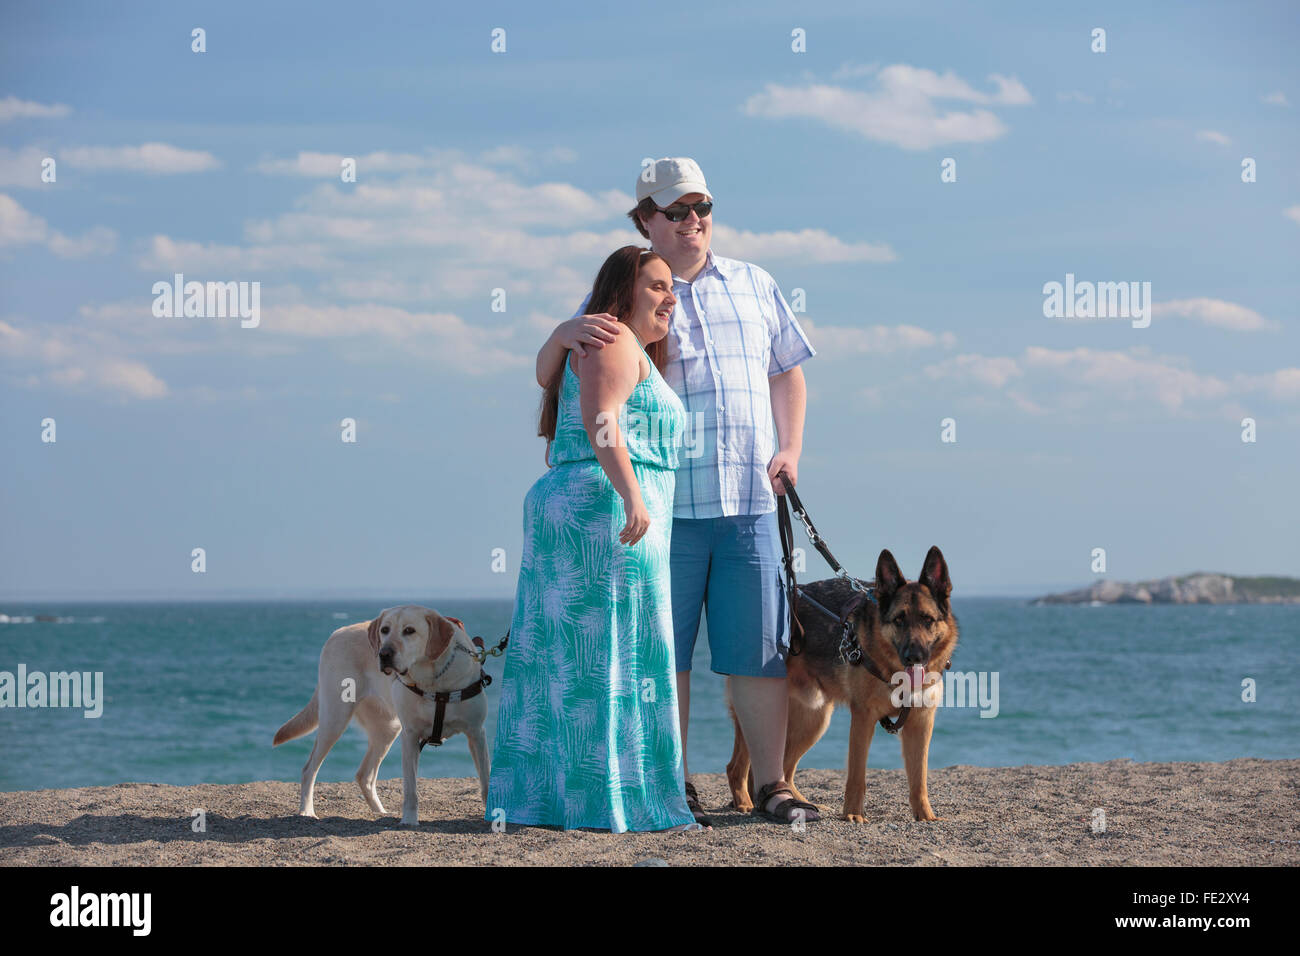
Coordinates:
[1239,813]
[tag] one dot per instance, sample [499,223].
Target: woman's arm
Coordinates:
[606,378]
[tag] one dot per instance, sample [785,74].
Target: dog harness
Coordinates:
[850,651]
[444,697]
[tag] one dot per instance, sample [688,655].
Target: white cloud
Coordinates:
[1213,136]
[901,110]
[12,108]
[95,241]
[22,168]
[807,245]
[179,255]
[1051,381]
[329,165]
[1283,384]
[129,377]
[145,158]
[410,262]
[447,338]
[838,341]
[1011,92]
[286,316]
[463,195]
[80,365]
[457,233]
[1216,312]
[994,371]
[849,71]
[1128,376]
[101,350]
[1276,98]
[528,158]
[18,227]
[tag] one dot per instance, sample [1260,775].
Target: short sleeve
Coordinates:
[582,309]
[790,346]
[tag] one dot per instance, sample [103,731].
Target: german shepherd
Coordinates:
[910,625]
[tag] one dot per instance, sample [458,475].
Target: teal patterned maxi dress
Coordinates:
[587,728]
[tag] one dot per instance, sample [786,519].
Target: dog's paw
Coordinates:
[410,821]
[853,817]
[309,814]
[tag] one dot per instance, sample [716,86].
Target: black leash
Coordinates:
[785,527]
[783,519]
[850,649]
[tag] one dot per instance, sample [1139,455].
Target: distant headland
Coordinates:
[1201,587]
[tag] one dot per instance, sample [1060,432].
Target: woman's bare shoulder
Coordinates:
[623,354]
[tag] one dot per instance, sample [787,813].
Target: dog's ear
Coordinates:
[441,631]
[934,575]
[888,579]
[372,632]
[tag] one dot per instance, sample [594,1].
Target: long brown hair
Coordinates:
[614,291]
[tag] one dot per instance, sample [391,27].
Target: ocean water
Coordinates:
[194,692]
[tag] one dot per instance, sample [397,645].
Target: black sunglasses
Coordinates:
[679,211]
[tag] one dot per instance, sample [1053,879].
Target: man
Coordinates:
[734,350]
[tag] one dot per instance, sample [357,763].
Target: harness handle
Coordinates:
[844,618]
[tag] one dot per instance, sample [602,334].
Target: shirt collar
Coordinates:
[710,263]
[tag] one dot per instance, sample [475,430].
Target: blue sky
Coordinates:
[479,171]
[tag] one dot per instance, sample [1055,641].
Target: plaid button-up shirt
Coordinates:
[730,331]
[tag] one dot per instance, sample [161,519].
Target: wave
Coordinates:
[48,619]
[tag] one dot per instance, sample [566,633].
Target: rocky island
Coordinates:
[1201,587]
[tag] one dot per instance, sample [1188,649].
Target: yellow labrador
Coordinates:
[367,671]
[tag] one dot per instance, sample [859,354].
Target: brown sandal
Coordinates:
[693,804]
[784,812]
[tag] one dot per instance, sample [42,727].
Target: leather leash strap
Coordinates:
[844,618]
[787,558]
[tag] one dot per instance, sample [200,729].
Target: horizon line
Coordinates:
[259,597]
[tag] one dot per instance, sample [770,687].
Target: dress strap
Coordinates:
[638,342]
[647,357]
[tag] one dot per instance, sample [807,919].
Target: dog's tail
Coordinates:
[303,722]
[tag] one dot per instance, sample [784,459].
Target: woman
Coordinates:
[587,732]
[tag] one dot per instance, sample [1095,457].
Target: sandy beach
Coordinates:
[1242,812]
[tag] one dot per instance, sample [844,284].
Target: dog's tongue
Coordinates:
[916,677]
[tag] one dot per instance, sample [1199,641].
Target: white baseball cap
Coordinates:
[668,180]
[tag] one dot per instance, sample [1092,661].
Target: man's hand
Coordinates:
[583,330]
[581,333]
[787,461]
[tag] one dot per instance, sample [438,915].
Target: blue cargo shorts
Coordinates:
[730,566]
